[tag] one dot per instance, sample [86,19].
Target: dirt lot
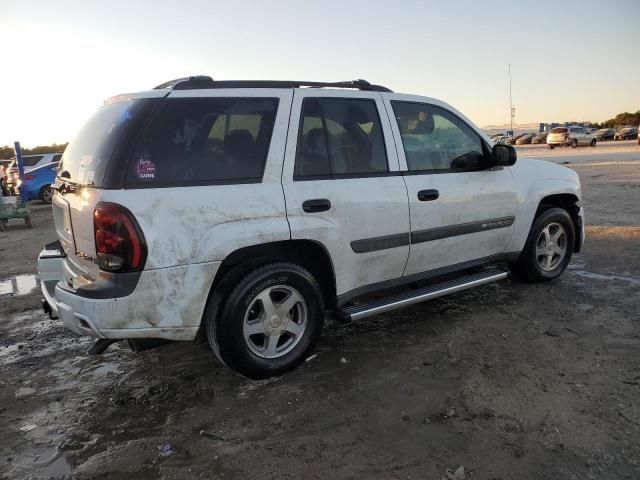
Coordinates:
[508,381]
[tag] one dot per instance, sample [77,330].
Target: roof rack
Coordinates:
[203,81]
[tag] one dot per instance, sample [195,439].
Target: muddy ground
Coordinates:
[508,381]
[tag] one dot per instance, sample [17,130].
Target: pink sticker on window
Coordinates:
[146,169]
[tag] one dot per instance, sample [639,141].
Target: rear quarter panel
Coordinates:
[197,224]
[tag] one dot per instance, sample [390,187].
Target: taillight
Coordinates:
[566,136]
[29,177]
[120,246]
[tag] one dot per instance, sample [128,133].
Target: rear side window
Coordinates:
[31,161]
[339,137]
[200,141]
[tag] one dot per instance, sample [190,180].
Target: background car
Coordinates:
[34,161]
[540,138]
[513,140]
[37,182]
[498,138]
[604,134]
[525,139]
[572,136]
[626,133]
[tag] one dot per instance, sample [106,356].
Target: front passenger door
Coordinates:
[460,210]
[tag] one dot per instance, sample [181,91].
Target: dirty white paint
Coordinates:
[190,231]
[536,179]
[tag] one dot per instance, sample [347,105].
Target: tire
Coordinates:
[273,348]
[593,142]
[574,143]
[532,265]
[551,147]
[46,194]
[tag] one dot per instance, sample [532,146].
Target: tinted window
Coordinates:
[87,156]
[203,141]
[559,130]
[56,158]
[339,136]
[435,139]
[31,161]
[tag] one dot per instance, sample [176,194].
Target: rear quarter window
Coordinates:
[106,133]
[201,141]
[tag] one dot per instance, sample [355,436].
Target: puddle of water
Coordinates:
[6,287]
[105,369]
[25,391]
[18,285]
[48,463]
[603,276]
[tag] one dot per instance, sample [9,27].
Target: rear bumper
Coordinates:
[166,303]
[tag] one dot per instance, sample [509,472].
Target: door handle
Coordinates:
[428,195]
[316,205]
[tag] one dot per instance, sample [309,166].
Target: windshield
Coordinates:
[86,159]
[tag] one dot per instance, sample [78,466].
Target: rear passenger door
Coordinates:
[342,185]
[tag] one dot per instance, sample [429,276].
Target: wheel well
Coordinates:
[308,254]
[568,202]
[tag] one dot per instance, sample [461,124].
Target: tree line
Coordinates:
[6,151]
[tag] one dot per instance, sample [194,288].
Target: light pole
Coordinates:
[512,109]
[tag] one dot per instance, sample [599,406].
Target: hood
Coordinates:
[534,169]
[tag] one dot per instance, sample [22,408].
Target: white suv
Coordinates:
[248,209]
[570,136]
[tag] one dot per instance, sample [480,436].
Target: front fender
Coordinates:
[528,205]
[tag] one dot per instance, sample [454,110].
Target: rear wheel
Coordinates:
[574,143]
[46,194]
[549,246]
[551,147]
[269,322]
[593,142]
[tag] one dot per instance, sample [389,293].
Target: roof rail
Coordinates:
[187,83]
[201,81]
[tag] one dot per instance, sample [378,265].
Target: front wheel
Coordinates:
[551,147]
[270,321]
[549,246]
[574,143]
[593,142]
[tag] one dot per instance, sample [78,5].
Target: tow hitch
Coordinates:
[47,309]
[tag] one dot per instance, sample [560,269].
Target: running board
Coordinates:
[356,312]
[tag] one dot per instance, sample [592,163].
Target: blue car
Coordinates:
[37,182]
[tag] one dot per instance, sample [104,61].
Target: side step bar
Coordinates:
[356,312]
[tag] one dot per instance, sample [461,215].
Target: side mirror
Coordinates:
[503,155]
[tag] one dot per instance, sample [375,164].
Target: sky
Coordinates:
[570,60]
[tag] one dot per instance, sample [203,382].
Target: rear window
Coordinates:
[87,157]
[559,130]
[31,160]
[200,141]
